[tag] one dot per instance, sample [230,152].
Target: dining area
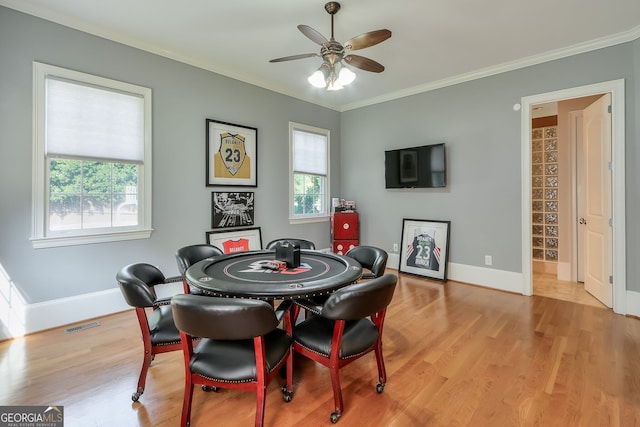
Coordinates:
[454,353]
[243,318]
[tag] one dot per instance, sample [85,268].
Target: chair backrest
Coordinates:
[304,244]
[136,281]
[222,318]
[189,255]
[371,258]
[360,300]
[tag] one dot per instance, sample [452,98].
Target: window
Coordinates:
[309,188]
[91,159]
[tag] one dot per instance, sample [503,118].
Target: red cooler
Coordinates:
[341,247]
[345,226]
[344,231]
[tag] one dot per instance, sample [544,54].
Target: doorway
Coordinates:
[558,195]
[616,251]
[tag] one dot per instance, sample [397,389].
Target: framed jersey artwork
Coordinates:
[424,248]
[232,154]
[233,241]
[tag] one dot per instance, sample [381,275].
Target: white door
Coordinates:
[597,232]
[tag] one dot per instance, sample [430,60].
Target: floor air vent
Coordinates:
[81,327]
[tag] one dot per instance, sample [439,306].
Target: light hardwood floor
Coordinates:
[547,285]
[456,355]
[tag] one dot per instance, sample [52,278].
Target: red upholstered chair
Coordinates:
[189,255]
[348,326]
[159,334]
[241,346]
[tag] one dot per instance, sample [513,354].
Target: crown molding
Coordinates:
[553,55]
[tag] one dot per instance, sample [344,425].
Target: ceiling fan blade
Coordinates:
[364,63]
[312,34]
[367,39]
[292,57]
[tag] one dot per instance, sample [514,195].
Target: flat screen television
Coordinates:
[416,167]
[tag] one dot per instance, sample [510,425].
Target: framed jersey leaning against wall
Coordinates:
[232,154]
[233,241]
[424,249]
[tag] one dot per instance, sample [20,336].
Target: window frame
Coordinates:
[309,218]
[41,238]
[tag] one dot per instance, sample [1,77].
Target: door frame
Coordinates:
[576,151]
[616,88]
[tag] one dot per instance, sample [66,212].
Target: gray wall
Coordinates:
[183,97]
[482,132]
[475,119]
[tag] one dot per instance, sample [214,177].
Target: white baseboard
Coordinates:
[480,276]
[40,316]
[632,303]
[487,277]
[65,311]
[564,271]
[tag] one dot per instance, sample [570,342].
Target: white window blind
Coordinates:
[92,162]
[309,153]
[85,121]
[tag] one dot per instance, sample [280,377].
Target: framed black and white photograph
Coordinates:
[232,209]
[424,249]
[232,154]
[233,241]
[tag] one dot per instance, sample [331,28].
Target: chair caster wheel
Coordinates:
[135,396]
[335,416]
[209,388]
[287,395]
[380,387]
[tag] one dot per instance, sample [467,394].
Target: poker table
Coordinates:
[244,275]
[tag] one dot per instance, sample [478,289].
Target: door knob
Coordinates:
[582,221]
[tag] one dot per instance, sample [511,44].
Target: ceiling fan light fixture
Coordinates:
[346,76]
[320,76]
[332,74]
[317,79]
[334,86]
[326,76]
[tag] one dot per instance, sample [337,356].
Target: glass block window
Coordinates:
[544,193]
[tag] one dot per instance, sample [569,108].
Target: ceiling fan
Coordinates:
[332,74]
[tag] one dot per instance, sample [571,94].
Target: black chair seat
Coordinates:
[235,361]
[316,333]
[163,329]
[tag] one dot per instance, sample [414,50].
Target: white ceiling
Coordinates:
[434,43]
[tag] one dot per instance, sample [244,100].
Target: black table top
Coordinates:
[244,275]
